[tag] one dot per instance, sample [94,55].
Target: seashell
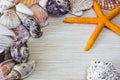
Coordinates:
[24,9]
[29,2]
[5,41]
[10,19]
[80,5]
[23,70]
[6,32]
[6,4]
[102,71]
[2,54]
[109,4]
[21,33]
[6,67]
[40,14]
[58,7]
[19,51]
[80,13]
[43,3]
[31,24]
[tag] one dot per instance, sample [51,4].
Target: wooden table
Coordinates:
[60,55]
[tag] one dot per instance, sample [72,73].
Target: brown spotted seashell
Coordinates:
[108,4]
[19,51]
[40,14]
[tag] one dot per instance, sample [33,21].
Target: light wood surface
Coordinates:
[60,55]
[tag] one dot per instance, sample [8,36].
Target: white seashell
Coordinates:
[6,32]
[24,9]
[10,19]
[102,71]
[80,5]
[42,3]
[80,13]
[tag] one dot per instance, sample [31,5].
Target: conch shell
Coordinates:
[31,24]
[19,51]
[24,9]
[21,71]
[40,14]
[10,19]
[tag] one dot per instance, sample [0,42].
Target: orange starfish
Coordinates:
[102,20]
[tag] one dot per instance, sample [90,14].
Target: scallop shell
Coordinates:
[102,71]
[24,9]
[21,33]
[40,14]
[23,70]
[19,52]
[80,5]
[109,4]
[29,2]
[31,24]
[58,7]
[6,67]
[10,19]
[6,4]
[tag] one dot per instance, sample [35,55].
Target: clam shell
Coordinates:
[40,14]
[109,4]
[31,24]
[29,2]
[24,9]
[19,52]
[21,33]
[10,19]
[79,5]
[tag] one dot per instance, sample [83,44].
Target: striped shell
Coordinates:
[109,4]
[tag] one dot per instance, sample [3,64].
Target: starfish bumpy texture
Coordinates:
[102,21]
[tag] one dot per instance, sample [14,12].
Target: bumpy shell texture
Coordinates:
[19,52]
[58,7]
[102,71]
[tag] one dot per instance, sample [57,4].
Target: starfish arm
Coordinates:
[94,36]
[113,13]
[97,9]
[113,27]
[81,20]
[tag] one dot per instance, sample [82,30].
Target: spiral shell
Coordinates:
[21,71]
[10,19]
[31,24]
[58,7]
[19,52]
[40,14]
[24,9]
[109,4]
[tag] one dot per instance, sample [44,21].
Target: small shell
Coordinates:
[58,7]
[19,52]
[40,14]
[21,33]
[29,2]
[6,67]
[109,4]
[24,9]
[31,24]
[80,5]
[23,70]
[10,19]
[6,4]
[43,3]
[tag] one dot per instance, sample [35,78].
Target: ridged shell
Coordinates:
[24,9]
[23,70]
[31,24]
[80,5]
[58,7]
[40,14]
[102,71]
[21,33]
[109,4]
[19,52]
[6,4]
[29,2]
[10,19]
